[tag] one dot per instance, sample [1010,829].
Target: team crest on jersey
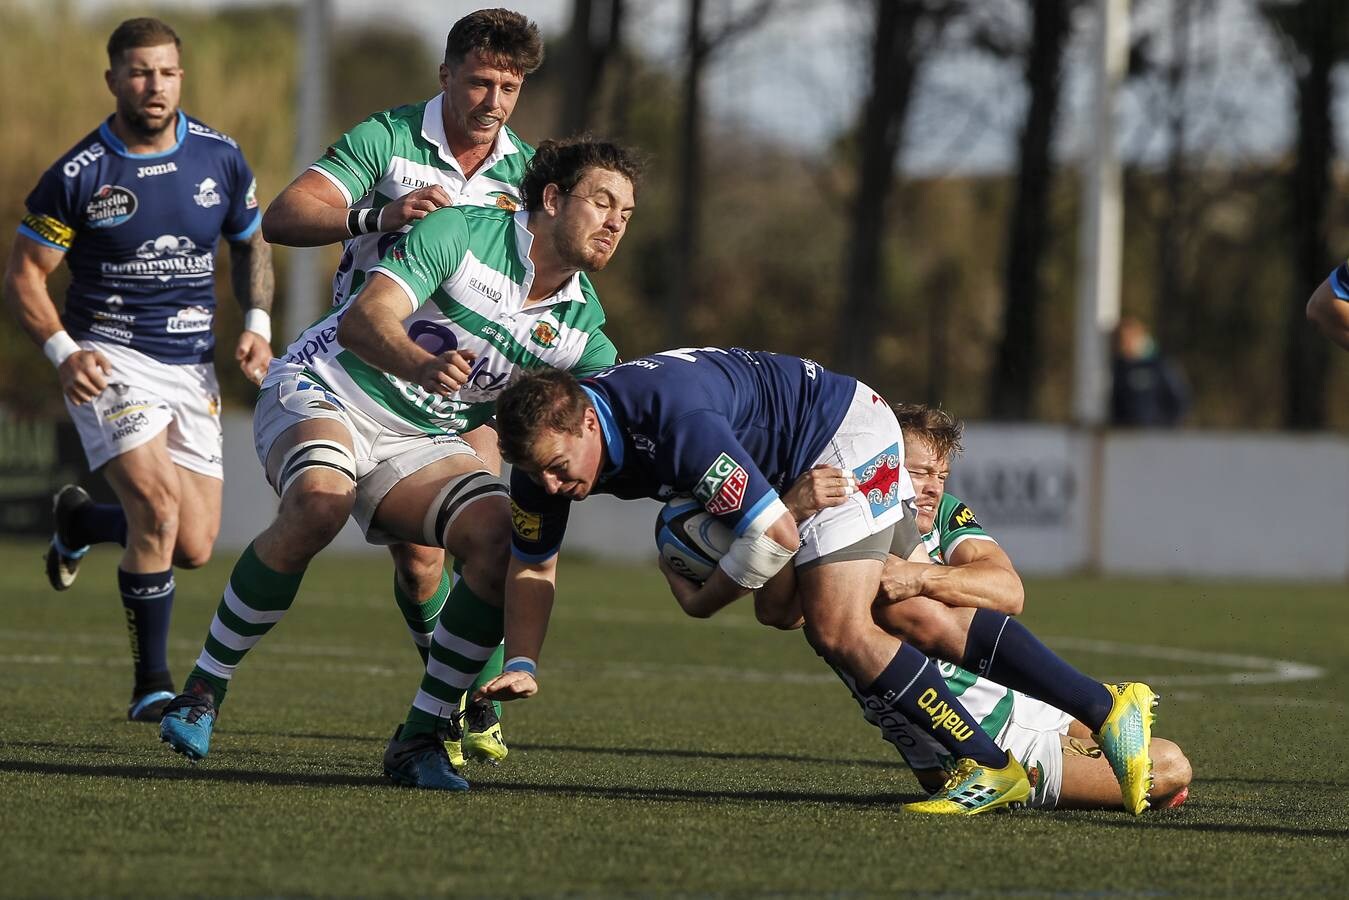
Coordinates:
[961,517]
[545,334]
[878,479]
[207,195]
[722,488]
[110,206]
[507,202]
[528,526]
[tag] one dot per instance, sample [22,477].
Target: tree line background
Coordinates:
[954,287]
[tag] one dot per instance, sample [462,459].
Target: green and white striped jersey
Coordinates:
[953,524]
[466,272]
[397,151]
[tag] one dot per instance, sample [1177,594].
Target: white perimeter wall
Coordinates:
[1201,504]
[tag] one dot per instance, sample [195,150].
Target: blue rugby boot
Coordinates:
[187,723]
[62,560]
[421,761]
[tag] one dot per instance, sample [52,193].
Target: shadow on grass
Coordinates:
[1180,824]
[286,779]
[657,752]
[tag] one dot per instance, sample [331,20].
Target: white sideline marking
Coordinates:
[1250,669]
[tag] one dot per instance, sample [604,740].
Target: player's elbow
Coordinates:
[276,221]
[1014,596]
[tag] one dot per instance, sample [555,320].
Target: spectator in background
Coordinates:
[1147,390]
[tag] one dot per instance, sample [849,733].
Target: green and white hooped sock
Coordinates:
[255,599]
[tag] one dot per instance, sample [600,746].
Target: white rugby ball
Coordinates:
[690,539]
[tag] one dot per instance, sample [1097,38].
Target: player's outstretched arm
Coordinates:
[530,588]
[1330,314]
[254,288]
[978,575]
[83,372]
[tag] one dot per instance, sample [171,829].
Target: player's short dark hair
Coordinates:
[142,32]
[564,163]
[542,400]
[505,38]
[935,426]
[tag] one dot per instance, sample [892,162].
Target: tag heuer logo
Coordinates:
[722,488]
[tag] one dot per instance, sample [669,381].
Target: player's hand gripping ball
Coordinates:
[690,539]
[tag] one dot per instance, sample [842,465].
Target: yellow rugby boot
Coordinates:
[974,788]
[454,744]
[482,733]
[1126,740]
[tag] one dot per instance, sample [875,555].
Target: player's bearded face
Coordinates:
[592,219]
[480,97]
[928,471]
[148,84]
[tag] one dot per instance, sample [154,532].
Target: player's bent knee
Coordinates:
[1171,769]
[316,513]
[191,557]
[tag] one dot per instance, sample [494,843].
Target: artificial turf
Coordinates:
[663,755]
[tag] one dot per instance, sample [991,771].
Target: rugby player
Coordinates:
[1328,307]
[136,209]
[728,426]
[363,417]
[1065,766]
[374,182]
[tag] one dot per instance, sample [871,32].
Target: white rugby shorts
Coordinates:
[869,444]
[383,457]
[144,397]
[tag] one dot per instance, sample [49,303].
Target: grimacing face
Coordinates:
[592,218]
[480,98]
[928,472]
[565,463]
[148,85]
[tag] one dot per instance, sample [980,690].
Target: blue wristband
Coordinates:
[520,664]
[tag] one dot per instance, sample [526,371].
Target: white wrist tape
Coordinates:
[259,321]
[58,348]
[754,557]
[751,563]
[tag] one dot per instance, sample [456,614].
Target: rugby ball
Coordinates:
[690,539]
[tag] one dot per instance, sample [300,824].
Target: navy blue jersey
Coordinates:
[731,427]
[139,232]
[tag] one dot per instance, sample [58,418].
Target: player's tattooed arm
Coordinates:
[251,273]
[254,287]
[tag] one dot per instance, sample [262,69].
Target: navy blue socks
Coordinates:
[913,687]
[1000,648]
[148,601]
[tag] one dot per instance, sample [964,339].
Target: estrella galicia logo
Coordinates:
[110,206]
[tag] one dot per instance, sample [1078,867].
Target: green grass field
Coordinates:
[662,755]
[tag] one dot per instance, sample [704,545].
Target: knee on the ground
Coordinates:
[1170,768]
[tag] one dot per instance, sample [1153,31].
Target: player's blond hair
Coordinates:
[933,425]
